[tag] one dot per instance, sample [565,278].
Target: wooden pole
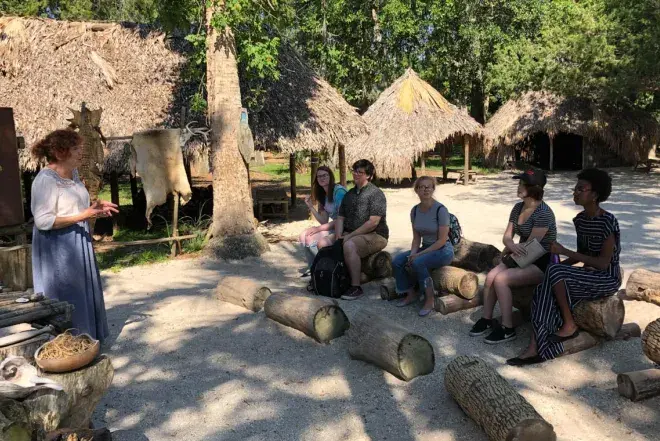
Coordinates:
[176,245]
[292,178]
[422,161]
[114,197]
[444,161]
[552,153]
[342,165]
[134,190]
[466,143]
[314,161]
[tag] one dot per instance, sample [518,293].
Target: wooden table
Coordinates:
[272,204]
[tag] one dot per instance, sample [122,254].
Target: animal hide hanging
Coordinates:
[157,158]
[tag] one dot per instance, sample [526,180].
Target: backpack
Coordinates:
[455,231]
[329,273]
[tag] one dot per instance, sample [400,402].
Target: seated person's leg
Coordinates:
[403,281]
[354,250]
[326,241]
[422,266]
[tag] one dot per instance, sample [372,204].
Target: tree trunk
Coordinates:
[388,290]
[342,165]
[466,171]
[478,102]
[493,403]
[318,317]
[14,421]
[451,303]
[389,346]
[242,292]
[378,265]
[444,161]
[457,281]
[475,256]
[644,285]
[292,178]
[639,385]
[602,317]
[651,341]
[233,227]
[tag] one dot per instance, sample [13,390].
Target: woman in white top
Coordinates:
[63,261]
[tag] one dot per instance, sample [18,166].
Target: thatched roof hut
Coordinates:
[48,66]
[410,118]
[301,111]
[629,134]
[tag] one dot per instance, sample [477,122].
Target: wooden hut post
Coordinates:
[314,161]
[134,189]
[466,143]
[292,178]
[552,152]
[444,161]
[114,197]
[342,165]
[176,245]
[422,161]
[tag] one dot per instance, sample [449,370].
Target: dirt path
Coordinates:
[190,367]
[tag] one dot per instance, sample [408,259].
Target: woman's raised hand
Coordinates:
[101,209]
[308,202]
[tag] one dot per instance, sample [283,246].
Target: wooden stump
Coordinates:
[457,281]
[389,346]
[79,435]
[493,403]
[522,299]
[475,256]
[451,303]
[318,317]
[243,292]
[639,385]
[651,341]
[586,340]
[378,265]
[644,285]
[602,317]
[388,290]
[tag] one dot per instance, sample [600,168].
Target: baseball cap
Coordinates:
[532,177]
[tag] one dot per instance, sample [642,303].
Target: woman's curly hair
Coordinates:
[59,142]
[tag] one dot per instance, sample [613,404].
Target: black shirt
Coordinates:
[359,205]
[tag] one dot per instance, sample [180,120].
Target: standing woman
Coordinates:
[328,197]
[430,248]
[564,286]
[530,219]
[63,261]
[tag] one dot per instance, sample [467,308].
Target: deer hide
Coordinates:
[156,157]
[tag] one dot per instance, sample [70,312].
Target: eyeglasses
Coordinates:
[425,188]
[580,189]
[358,172]
[322,176]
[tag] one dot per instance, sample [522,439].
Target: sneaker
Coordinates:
[500,335]
[482,326]
[353,293]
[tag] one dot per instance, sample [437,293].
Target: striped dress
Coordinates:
[581,284]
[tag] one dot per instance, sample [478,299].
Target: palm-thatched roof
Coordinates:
[301,111]
[631,134]
[48,66]
[410,118]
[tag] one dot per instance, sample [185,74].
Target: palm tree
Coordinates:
[233,228]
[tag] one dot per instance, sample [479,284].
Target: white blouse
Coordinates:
[54,196]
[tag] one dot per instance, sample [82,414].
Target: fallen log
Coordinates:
[242,292]
[25,349]
[639,385]
[651,341]
[476,256]
[378,265]
[389,346]
[493,403]
[388,290]
[451,303]
[586,340]
[644,285]
[35,314]
[318,317]
[457,281]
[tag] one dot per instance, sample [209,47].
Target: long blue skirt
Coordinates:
[64,268]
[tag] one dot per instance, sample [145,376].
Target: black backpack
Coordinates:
[329,273]
[455,232]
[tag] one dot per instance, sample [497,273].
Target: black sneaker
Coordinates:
[482,326]
[500,335]
[353,293]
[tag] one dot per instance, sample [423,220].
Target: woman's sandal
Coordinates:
[554,338]
[525,361]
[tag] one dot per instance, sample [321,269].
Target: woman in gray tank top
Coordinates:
[430,248]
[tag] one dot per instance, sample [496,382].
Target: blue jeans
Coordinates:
[421,267]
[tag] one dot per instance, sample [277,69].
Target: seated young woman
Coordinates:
[530,219]
[430,249]
[328,196]
[564,285]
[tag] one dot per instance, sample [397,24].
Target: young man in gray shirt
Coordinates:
[361,223]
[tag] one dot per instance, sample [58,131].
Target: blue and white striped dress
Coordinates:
[581,284]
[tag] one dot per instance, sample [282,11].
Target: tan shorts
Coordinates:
[368,244]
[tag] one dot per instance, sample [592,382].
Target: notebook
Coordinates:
[534,251]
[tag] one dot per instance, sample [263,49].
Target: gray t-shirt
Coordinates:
[427,223]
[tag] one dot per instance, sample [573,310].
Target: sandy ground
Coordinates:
[190,367]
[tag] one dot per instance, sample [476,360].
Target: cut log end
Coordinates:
[451,303]
[330,322]
[243,292]
[651,341]
[416,357]
[639,385]
[532,430]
